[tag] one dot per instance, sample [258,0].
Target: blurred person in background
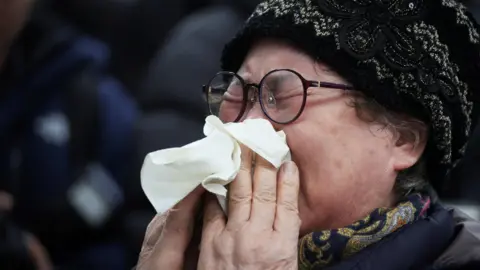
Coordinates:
[173,111]
[133,29]
[65,128]
[18,249]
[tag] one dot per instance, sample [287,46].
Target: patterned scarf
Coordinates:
[325,248]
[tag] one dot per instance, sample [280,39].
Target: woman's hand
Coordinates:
[168,235]
[263,223]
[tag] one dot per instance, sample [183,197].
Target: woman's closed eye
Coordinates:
[285,89]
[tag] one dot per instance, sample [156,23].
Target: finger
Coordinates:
[177,231]
[154,230]
[152,234]
[264,194]
[214,220]
[287,218]
[240,191]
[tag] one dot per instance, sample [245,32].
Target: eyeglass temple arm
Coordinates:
[330,85]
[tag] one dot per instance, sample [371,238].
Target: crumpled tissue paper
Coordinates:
[169,175]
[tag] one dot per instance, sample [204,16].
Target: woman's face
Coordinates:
[347,166]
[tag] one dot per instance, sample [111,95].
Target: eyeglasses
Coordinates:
[282,94]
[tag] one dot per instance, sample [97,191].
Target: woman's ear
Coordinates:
[410,143]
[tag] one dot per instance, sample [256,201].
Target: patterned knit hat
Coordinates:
[419,57]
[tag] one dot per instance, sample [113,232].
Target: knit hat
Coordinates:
[418,57]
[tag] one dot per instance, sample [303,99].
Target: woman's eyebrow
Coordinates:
[247,77]
[279,78]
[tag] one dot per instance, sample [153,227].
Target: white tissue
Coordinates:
[169,175]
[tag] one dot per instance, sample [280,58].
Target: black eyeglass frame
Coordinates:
[246,86]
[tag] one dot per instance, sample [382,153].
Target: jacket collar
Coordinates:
[464,250]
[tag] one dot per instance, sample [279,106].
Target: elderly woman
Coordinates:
[376,99]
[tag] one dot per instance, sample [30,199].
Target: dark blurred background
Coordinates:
[88,88]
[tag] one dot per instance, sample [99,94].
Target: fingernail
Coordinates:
[290,167]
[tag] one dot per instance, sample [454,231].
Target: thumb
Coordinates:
[177,232]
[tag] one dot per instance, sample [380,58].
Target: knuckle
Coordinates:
[245,167]
[265,196]
[239,198]
[289,206]
[261,162]
[290,182]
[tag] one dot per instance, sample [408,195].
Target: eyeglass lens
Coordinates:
[281,92]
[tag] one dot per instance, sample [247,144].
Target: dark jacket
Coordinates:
[464,249]
[446,240]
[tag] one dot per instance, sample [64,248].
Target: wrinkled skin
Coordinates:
[261,231]
[346,168]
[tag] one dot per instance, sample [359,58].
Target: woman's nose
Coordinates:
[254,109]
[256,112]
